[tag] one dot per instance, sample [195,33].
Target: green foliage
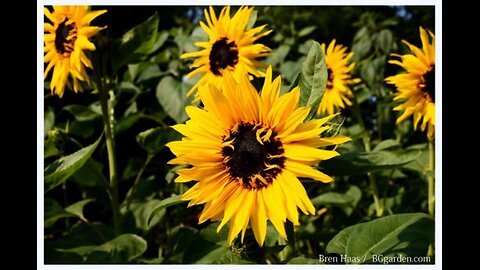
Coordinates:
[312,79]
[171,94]
[391,236]
[60,170]
[138,42]
[153,140]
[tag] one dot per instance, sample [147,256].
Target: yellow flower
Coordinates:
[65,39]
[416,87]
[230,48]
[247,151]
[337,92]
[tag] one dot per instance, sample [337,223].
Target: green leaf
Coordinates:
[386,144]
[278,55]
[137,43]
[49,120]
[312,80]
[385,40]
[162,205]
[361,44]
[171,94]
[303,260]
[81,113]
[53,212]
[77,208]
[252,20]
[122,249]
[153,140]
[421,163]
[306,31]
[90,175]
[353,163]
[127,122]
[347,201]
[395,235]
[141,212]
[61,169]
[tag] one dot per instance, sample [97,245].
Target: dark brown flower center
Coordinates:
[253,155]
[330,78]
[428,85]
[65,37]
[223,54]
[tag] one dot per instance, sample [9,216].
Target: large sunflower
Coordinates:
[416,87]
[65,39]
[339,68]
[230,48]
[247,151]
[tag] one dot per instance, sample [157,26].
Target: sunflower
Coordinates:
[416,87]
[247,151]
[337,92]
[230,48]
[65,39]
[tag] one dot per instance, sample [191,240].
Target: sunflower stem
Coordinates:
[431,178]
[112,165]
[431,187]
[107,116]
[366,143]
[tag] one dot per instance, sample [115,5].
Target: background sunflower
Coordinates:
[339,68]
[66,37]
[231,47]
[416,86]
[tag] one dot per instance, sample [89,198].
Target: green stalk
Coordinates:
[112,165]
[107,116]
[431,178]
[366,142]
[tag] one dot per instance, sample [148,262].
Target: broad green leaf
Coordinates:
[372,71]
[395,235]
[386,144]
[122,249]
[77,208]
[49,146]
[81,113]
[162,205]
[306,31]
[385,40]
[347,201]
[153,140]
[278,55]
[49,120]
[290,69]
[90,175]
[53,212]
[171,94]
[137,43]
[303,260]
[61,169]
[312,79]
[252,20]
[83,129]
[421,163]
[141,212]
[361,44]
[161,38]
[127,122]
[75,244]
[353,163]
